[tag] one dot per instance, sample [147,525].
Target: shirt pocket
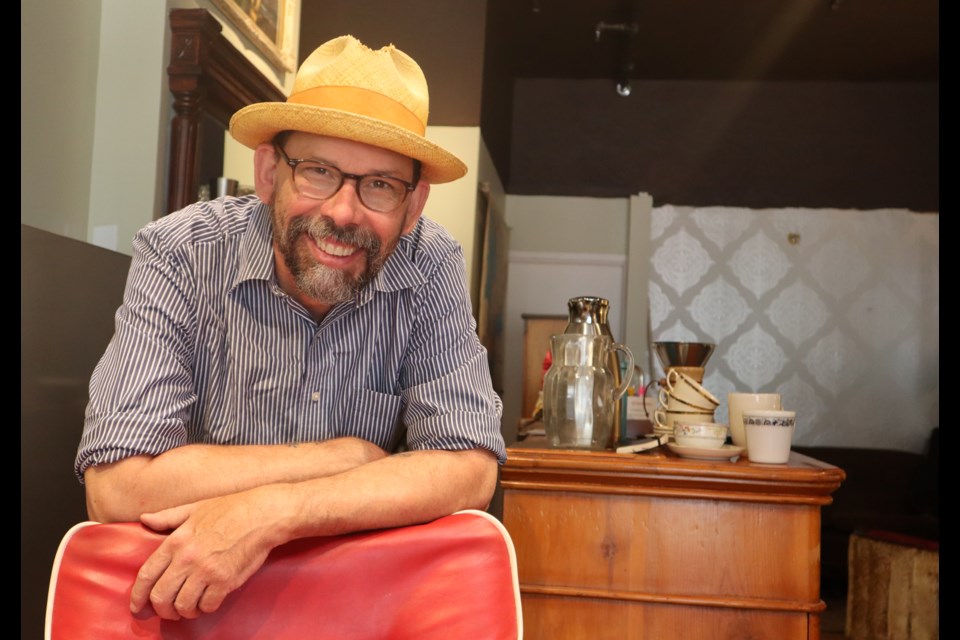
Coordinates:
[375,417]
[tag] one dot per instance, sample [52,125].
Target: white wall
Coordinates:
[95,112]
[568,225]
[127,160]
[454,204]
[59,49]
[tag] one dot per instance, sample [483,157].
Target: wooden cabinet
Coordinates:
[656,546]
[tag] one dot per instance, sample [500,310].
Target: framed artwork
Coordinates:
[270,25]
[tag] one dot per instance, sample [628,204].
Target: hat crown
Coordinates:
[347,62]
[346,90]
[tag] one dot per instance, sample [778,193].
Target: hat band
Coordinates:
[361,102]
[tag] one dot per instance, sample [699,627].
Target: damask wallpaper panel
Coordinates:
[837,310]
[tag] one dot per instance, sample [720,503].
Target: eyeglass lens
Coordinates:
[379,193]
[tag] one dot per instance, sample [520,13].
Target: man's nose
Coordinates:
[344,207]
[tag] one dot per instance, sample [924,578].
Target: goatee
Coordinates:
[318,281]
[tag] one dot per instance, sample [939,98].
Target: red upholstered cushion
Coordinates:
[452,578]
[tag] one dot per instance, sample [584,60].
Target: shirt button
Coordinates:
[315,396]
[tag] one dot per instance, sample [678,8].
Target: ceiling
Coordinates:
[790,40]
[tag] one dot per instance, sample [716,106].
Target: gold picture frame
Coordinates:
[268,24]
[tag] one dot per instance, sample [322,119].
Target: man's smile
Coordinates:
[336,249]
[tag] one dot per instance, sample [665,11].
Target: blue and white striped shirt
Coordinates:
[209,349]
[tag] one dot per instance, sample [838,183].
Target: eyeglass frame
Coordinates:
[293,163]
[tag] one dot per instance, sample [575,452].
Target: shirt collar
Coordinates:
[256,248]
[400,270]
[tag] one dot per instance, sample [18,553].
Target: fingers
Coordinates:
[168,518]
[212,598]
[147,578]
[171,593]
[187,601]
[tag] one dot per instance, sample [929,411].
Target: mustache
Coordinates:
[321,228]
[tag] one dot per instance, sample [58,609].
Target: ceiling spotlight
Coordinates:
[623,88]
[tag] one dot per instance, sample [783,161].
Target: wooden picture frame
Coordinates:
[269,25]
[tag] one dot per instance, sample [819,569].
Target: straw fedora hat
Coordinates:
[347,90]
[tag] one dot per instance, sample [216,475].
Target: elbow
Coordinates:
[104,505]
[356,452]
[110,492]
[100,508]
[96,510]
[486,475]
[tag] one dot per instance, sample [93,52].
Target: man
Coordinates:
[272,351]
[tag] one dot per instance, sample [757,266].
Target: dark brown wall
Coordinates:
[770,144]
[445,37]
[848,145]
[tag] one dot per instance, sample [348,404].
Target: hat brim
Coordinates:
[261,122]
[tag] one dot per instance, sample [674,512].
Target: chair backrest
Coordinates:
[455,577]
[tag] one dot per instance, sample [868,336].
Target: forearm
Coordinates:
[124,490]
[217,544]
[399,490]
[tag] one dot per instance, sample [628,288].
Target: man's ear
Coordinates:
[265,164]
[416,201]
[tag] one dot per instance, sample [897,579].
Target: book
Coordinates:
[644,444]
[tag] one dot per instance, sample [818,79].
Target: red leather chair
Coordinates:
[453,578]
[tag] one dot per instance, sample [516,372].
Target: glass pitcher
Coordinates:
[580,391]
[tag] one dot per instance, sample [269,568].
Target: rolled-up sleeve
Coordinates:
[449,397]
[141,390]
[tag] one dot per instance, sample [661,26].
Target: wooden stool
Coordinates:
[894,587]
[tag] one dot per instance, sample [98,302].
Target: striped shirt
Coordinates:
[209,349]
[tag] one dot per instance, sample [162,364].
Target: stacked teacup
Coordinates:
[683,400]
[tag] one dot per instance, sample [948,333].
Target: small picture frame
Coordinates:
[270,25]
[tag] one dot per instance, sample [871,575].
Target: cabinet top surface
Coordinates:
[531,463]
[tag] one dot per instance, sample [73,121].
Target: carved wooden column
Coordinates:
[192,33]
[209,80]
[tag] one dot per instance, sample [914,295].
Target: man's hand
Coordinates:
[216,546]
[219,543]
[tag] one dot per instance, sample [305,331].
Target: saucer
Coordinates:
[725,452]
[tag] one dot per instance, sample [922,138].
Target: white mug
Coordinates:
[737,403]
[769,435]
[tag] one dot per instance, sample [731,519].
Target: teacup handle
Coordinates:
[663,398]
[672,376]
[622,389]
[660,418]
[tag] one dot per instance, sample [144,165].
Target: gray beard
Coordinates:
[320,282]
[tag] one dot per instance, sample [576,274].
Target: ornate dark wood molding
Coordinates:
[209,80]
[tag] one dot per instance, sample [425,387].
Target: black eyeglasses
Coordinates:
[319,180]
